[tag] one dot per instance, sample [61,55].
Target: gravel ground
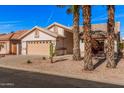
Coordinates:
[64,66]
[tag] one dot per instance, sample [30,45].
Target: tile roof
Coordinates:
[2,34]
[43,30]
[17,34]
[6,36]
[50,32]
[12,36]
[102,27]
[69,29]
[55,23]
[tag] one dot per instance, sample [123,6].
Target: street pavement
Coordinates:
[22,79]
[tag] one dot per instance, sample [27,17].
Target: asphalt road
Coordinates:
[21,79]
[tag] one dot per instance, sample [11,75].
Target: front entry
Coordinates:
[38,48]
[98,46]
[14,49]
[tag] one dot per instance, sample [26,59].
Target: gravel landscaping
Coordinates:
[65,66]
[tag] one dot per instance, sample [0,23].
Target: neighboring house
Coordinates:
[122,40]
[122,45]
[99,35]
[37,40]
[9,43]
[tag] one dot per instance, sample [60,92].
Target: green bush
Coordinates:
[121,46]
[52,52]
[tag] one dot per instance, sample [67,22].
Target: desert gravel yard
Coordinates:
[65,66]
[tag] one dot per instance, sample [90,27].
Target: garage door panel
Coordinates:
[38,48]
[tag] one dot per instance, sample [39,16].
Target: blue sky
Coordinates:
[13,18]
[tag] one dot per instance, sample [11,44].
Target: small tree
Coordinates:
[1,46]
[121,46]
[52,52]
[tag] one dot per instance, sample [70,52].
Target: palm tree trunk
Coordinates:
[110,37]
[88,65]
[76,38]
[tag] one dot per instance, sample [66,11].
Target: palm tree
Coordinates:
[110,37]
[74,9]
[88,65]
[76,37]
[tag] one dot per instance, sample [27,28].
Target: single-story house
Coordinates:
[37,40]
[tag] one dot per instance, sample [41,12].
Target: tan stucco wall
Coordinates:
[59,46]
[59,43]
[57,30]
[6,48]
[31,37]
[68,42]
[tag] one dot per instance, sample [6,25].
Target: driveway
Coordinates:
[22,79]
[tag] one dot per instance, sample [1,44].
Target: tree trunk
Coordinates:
[51,59]
[76,38]
[110,38]
[88,65]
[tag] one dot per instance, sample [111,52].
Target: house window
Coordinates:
[36,34]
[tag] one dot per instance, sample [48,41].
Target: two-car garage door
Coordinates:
[38,48]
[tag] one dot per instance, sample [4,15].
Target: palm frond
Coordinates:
[61,6]
[69,11]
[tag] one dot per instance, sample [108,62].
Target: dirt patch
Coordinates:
[65,66]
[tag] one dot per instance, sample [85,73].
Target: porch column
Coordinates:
[17,49]
[115,46]
[82,48]
[105,46]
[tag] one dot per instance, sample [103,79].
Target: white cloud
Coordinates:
[9,22]
[50,17]
[6,26]
[119,16]
[100,18]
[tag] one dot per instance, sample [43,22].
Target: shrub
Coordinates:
[43,58]
[29,62]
